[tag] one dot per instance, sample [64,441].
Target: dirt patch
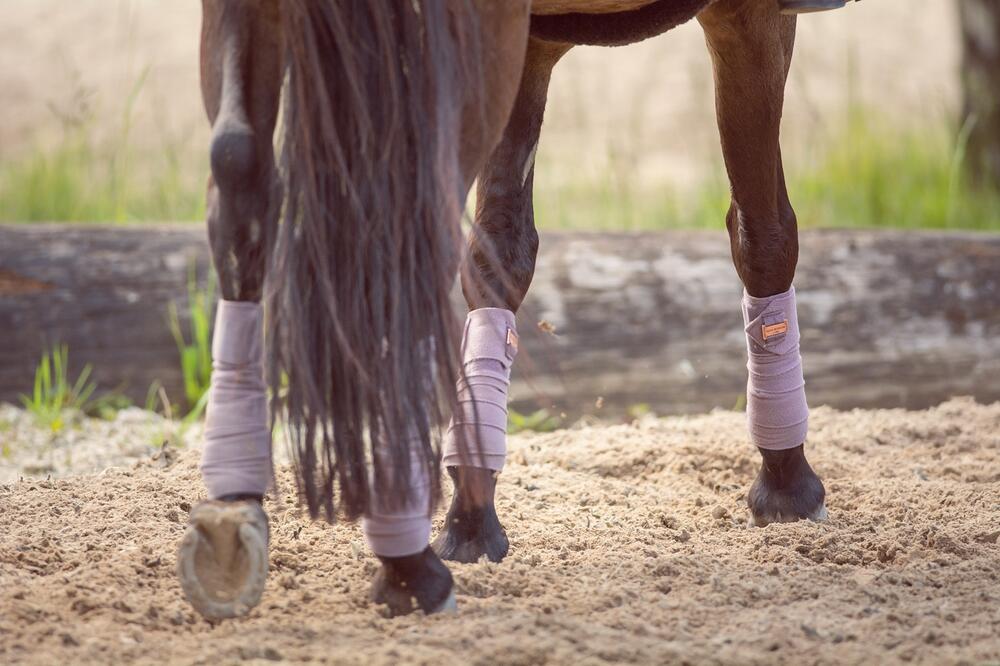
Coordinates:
[81,445]
[628,544]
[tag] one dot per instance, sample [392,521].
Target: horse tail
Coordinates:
[363,341]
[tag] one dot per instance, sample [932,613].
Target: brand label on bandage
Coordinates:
[771,330]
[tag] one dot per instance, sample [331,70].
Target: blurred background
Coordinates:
[891,142]
[102,121]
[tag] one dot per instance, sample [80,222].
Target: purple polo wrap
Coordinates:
[776,398]
[489,346]
[394,529]
[237,454]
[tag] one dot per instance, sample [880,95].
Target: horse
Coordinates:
[350,239]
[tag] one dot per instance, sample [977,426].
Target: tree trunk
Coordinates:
[980,21]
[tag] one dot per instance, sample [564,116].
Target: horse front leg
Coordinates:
[751,47]
[495,279]
[222,561]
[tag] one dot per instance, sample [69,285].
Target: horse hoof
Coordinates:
[421,581]
[472,530]
[786,490]
[765,519]
[449,605]
[222,558]
[461,542]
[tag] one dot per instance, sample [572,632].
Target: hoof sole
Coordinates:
[222,558]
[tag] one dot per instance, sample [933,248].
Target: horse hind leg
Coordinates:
[222,559]
[413,575]
[751,47]
[498,272]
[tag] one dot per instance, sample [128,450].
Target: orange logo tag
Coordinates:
[512,339]
[774,329]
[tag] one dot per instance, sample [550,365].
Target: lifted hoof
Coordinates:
[472,528]
[222,558]
[786,490]
[404,584]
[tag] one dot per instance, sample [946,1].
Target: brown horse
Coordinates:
[392,110]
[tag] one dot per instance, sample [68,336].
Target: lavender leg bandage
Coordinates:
[776,398]
[488,349]
[393,530]
[237,454]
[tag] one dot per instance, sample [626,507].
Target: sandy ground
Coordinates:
[629,544]
[85,446]
[644,111]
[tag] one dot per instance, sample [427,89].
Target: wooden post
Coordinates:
[980,20]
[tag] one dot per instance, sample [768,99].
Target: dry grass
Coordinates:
[105,122]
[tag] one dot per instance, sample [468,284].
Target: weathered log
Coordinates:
[102,291]
[889,318]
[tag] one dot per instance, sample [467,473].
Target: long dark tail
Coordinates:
[363,340]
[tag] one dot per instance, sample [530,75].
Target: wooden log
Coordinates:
[889,318]
[102,291]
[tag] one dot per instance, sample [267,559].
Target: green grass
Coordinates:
[538,421]
[6,448]
[85,176]
[869,174]
[195,346]
[53,393]
[82,180]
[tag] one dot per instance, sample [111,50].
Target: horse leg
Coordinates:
[501,263]
[751,48]
[222,560]
[411,577]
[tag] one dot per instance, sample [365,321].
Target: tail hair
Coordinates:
[363,341]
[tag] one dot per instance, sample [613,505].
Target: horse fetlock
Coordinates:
[472,529]
[222,559]
[786,489]
[419,581]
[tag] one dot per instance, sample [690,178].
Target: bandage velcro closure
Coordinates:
[771,324]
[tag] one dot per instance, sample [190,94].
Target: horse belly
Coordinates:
[586,6]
